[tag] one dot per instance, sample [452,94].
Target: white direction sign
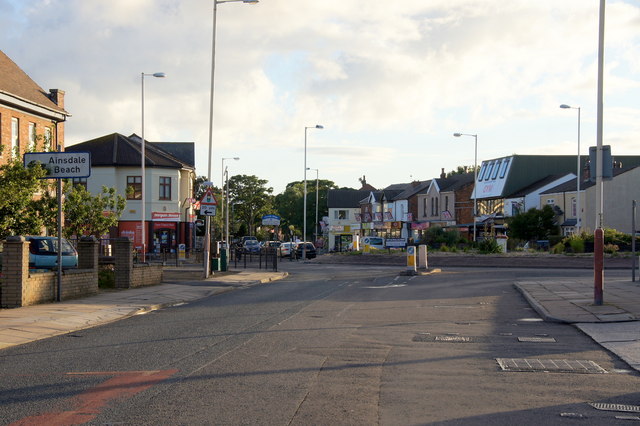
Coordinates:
[62,165]
[208,210]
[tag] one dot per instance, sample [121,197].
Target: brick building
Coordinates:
[31,119]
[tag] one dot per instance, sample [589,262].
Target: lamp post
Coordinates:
[315,228]
[207,237]
[226,228]
[475,180]
[304,202]
[142,165]
[579,174]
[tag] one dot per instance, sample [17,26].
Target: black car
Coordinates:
[309,248]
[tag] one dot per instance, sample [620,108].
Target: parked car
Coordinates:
[286,249]
[308,248]
[248,238]
[43,253]
[251,246]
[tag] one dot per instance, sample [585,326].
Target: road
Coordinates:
[328,345]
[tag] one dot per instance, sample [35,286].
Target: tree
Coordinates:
[534,224]
[250,198]
[460,170]
[289,204]
[86,214]
[20,212]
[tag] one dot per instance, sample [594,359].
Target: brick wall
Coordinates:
[129,275]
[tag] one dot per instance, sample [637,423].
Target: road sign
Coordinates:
[208,210]
[271,219]
[208,200]
[61,165]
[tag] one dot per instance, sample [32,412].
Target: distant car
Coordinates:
[286,249]
[251,246]
[248,238]
[310,250]
[43,253]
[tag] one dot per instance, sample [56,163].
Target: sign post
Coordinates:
[60,165]
[208,206]
[411,260]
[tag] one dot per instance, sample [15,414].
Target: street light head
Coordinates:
[457,135]
[250,1]
[565,106]
[159,74]
[319,126]
[236,158]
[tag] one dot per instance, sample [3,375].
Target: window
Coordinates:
[574,209]
[495,170]
[47,139]
[505,165]
[487,175]
[424,207]
[446,203]
[551,201]
[165,188]
[15,135]
[135,183]
[80,182]
[437,210]
[32,136]
[341,214]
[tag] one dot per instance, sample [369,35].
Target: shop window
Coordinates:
[165,188]
[134,187]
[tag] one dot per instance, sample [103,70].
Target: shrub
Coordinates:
[557,248]
[106,278]
[611,248]
[576,242]
[488,246]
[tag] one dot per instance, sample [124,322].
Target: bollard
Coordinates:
[422,257]
[411,260]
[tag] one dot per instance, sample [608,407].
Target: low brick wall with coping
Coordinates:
[22,287]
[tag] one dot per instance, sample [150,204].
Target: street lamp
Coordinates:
[226,220]
[579,174]
[304,202]
[475,180]
[315,229]
[142,164]
[207,238]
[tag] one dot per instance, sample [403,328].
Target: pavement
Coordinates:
[615,324]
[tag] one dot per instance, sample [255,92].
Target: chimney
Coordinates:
[57,96]
[443,174]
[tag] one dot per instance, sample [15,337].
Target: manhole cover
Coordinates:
[537,339]
[550,365]
[615,407]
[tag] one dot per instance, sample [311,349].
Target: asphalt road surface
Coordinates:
[328,345]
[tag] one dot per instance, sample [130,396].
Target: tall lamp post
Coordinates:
[222,190]
[578,173]
[315,228]
[142,165]
[475,180]
[304,202]
[207,237]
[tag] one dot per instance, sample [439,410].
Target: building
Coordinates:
[31,119]
[343,221]
[169,179]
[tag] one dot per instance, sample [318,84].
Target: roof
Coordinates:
[537,185]
[18,86]
[345,198]
[572,186]
[414,188]
[455,182]
[117,150]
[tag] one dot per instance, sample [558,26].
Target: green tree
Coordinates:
[289,204]
[87,214]
[251,199]
[534,224]
[21,190]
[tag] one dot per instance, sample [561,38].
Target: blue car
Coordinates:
[251,246]
[43,253]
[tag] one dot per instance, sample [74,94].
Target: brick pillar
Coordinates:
[123,253]
[88,253]
[15,271]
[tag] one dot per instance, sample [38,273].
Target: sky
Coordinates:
[390,82]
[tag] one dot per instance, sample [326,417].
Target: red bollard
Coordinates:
[598,267]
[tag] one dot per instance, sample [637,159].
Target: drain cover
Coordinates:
[550,365]
[615,407]
[537,339]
